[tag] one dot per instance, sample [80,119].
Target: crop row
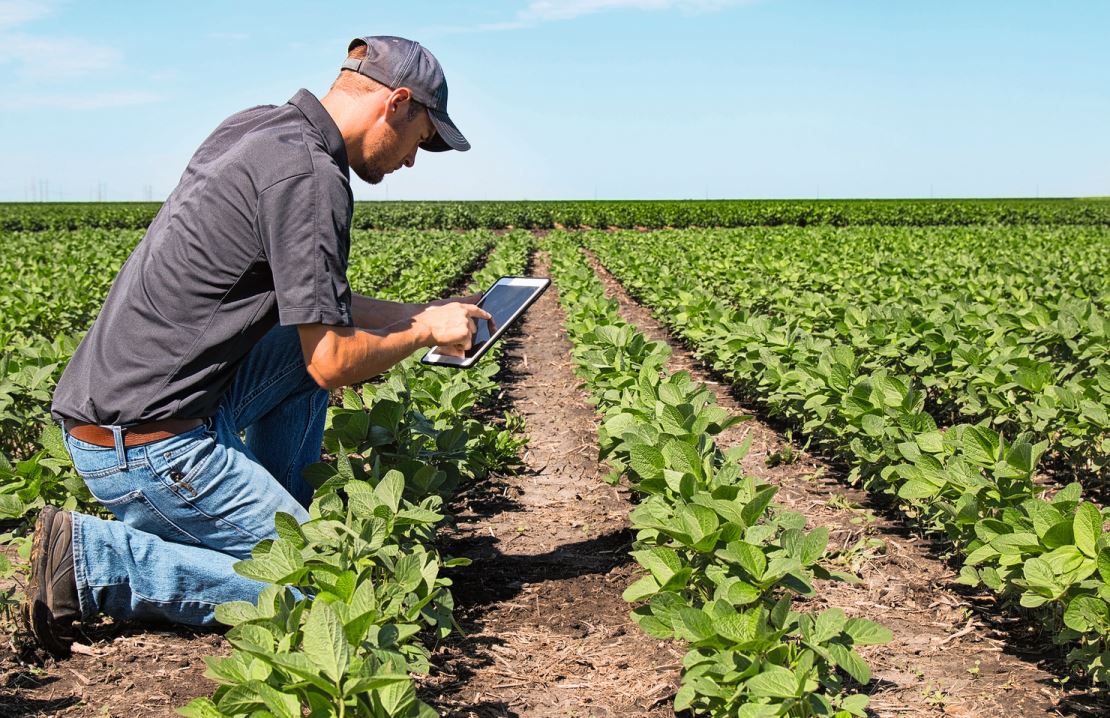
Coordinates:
[615,213]
[1043,549]
[723,561]
[1005,325]
[367,556]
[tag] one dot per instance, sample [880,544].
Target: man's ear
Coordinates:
[397,98]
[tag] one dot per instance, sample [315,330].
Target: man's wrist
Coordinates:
[420,335]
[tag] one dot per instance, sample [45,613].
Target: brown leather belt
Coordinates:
[132,435]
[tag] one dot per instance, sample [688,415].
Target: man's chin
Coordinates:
[370,176]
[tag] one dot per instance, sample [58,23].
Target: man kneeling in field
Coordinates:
[234,314]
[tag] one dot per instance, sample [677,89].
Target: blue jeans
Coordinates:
[192,505]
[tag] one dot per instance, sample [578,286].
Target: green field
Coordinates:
[954,356]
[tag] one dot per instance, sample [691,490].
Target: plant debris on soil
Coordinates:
[121,671]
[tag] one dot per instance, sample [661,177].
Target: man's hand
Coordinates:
[451,326]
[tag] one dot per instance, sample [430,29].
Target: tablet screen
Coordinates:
[502,302]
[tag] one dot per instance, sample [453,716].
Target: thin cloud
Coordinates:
[544,11]
[35,56]
[79,101]
[39,57]
[20,12]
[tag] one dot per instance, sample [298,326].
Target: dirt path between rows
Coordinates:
[545,631]
[124,672]
[952,654]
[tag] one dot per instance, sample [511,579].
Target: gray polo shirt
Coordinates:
[257,232]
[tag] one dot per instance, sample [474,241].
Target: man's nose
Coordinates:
[410,160]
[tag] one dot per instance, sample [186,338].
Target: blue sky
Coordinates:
[587,98]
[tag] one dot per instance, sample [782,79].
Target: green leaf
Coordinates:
[813,547]
[684,698]
[282,564]
[1015,543]
[351,399]
[233,613]
[299,665]
[362,684]
[243,698]
[282,705]
[683,457]
[867,633]
[693,625]
[1087,526]
[641,589]
[390,489]
[981,445]
[324,642]
[759,503]
[773,682]
[856,704]
[201,708]
[1104,564]
[1038,572]
[829,624]
[915,489]
[750,557]
[931,442]
[738,627]
[646,461]
[289,529]
[1087,614]
[663,562]
[51,440]
[850,662]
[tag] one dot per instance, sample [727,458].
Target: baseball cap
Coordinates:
[397,62]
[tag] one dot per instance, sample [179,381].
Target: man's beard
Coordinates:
[371,174]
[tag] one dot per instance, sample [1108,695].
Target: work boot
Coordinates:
[52,606]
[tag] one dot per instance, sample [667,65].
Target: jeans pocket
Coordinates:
[180,463]
[93,461]
[135,509]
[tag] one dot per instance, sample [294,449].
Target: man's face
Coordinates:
[392,141]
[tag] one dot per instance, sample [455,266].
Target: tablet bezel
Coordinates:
[539,286]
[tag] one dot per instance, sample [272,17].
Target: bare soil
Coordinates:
[117,671]
[954,652]
[545,630]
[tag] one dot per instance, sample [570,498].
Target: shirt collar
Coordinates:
[319,118]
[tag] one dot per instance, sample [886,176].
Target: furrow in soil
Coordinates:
[545,631]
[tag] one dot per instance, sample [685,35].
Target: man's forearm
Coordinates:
[371,314]
[342,356]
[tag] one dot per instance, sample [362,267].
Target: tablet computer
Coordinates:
[506,301]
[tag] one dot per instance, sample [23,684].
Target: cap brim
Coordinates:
[447,135]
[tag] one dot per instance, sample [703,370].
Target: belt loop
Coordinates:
[121,450]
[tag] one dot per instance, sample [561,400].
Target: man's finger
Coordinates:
[473,311]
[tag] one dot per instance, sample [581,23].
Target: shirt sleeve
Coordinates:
[305,233]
